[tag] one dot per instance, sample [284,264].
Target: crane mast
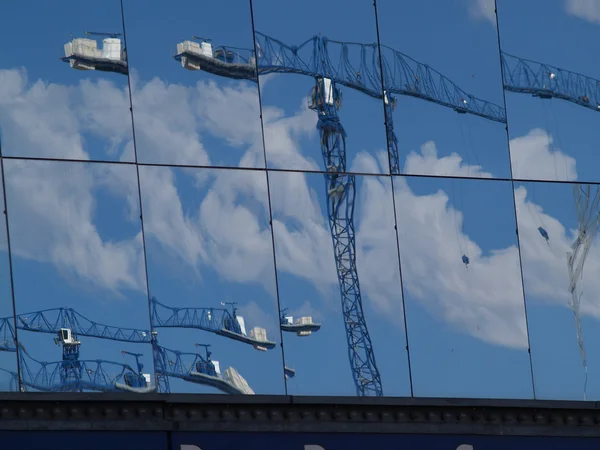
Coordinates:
[326,99]
[392,141]
[361,67]
[70,367]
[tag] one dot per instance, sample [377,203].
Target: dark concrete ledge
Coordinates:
[181,412]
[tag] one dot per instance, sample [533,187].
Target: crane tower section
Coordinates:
[325,100]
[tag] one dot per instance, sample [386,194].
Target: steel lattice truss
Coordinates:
[543,80]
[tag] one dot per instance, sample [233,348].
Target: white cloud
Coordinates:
[584,9]
[165,220]
[484,301]
[427,163]
[52,205]
[534,157]
[170,119]
[165,124]
[229,228]
[483,10]
[37,119]
[52,211]
[52,120]
[239,244]
[282,135]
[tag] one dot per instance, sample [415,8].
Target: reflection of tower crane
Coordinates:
[194,368]
[7,335]
[14,379]
[303,326]
[357,66]
[96,33]
[67,324]
[541,80]
[84,54]
[215,320]
[84,375]
[136,380]
[546,82]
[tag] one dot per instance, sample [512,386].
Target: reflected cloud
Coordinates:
[173,122]
[427,162]
[53,217]
[584,9]
[166,126]
[534,157]
[483,10]
[52,120]
[226,231]
[483,301]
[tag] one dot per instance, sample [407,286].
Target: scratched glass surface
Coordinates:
[558,224]
[465,311]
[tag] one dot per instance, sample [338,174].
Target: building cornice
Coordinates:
[181,412]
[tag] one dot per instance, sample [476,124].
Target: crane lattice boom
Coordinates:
[52,320]
[215,320]
[546,81]
[88,375]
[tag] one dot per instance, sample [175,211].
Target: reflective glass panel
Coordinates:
[74,108]
[9,380]
[212,279]
[441,64]
[551,88]
[557,230]
[195,93]
[79,265]
[346,291]
[462,284]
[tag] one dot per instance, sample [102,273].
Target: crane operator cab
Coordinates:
[70,344]
[135,379]
[324,93]
[230,324]
[207,366]
[224,55]
[65,336]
